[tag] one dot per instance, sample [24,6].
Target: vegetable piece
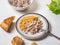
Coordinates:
[54,6]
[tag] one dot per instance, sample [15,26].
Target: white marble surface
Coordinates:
[40,6]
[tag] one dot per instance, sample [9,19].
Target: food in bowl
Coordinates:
[30,24]
[20,3]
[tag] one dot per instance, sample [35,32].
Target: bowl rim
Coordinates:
[28,14]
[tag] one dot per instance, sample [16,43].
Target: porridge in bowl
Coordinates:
[19,3]
[30,24]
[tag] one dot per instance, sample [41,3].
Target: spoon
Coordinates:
[54,35]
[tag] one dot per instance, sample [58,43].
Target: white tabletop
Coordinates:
[39,6]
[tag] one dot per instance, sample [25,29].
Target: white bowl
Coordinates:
[37,35]
[21,8]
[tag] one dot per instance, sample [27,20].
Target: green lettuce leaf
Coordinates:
[54,6]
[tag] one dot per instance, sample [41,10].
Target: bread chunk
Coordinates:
[6,23]
[17,41]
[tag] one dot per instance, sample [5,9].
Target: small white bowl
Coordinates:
[35,36]
[21,8]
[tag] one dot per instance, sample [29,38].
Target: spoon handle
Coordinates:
[55,36]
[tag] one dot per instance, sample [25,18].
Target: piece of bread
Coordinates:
[6,24]
[17,41]
[33,43]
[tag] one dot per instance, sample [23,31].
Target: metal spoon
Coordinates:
[54,35]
